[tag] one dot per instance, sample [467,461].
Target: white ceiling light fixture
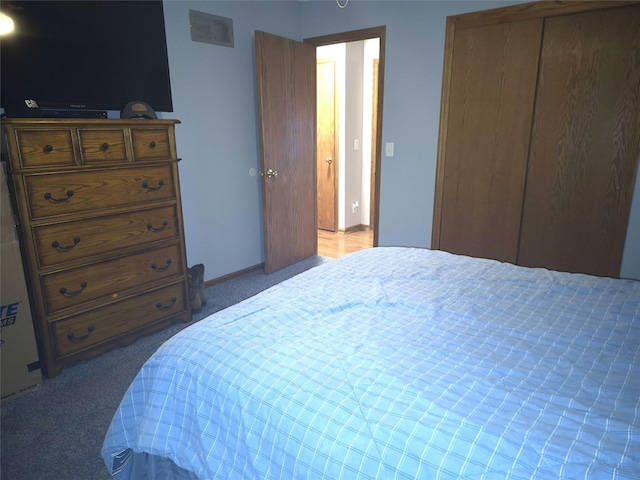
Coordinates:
[342,5]
[6,24]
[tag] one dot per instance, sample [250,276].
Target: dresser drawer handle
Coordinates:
[57,245]
[66,293]
[152,144]
[48,149]
[151,228]
[153,189]
[159,305]
[48,196]
[104,147]
[162,269]
[72,337]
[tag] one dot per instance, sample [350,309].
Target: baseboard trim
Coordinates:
[231,276]
[353,229]
[260,266]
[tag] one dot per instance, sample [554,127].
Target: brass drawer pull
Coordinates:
[151,228]
[153,189]
[104,147]
[162,269]
[57,245]
[48,149]
[152,144]
[66,293]
[72,337]
[159,305]
[48,196]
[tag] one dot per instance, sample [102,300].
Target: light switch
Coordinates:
[356,144]
[388,149]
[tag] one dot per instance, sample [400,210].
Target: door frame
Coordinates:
[355,36]
[373,194]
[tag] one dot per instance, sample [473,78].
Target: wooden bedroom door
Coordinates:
[285,71]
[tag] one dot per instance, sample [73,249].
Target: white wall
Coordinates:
[353,132]
[215,98]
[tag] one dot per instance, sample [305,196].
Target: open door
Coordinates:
[285,72]
[326,111]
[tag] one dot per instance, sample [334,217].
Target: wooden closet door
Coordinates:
[584,144]
[484,138]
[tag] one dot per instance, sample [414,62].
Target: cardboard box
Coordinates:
[19,362]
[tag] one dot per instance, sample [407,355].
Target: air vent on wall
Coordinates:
[213,29]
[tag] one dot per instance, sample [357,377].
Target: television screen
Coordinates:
[84,55]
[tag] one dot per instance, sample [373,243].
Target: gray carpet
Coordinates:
[56,431]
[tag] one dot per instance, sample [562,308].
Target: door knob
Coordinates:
[328,160]
[270,173]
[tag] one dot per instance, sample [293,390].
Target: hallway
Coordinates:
[335,245]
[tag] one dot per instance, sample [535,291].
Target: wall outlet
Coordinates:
[355,206]
[388,151]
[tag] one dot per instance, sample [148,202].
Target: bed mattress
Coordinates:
[397,363]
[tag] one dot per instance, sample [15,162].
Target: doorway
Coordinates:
[349,137]
[288,141]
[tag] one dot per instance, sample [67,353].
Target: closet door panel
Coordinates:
[584,143]
[491,96]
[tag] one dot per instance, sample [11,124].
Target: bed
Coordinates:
[395,363]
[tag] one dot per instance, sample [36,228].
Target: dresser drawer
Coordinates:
[69,241]
[102,146]
[108,279]
[64,193]
[45,148]
[100,325]
[150,143]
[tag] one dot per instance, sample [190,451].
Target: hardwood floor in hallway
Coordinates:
[335,245]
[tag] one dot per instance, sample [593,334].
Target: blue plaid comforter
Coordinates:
[398,363]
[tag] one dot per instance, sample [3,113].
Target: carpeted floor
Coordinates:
[56,431]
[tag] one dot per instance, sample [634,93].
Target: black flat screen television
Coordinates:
[80,56]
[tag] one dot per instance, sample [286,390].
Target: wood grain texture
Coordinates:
[286,104]
[41,149]
[483,152]
[99,326]
[102,146]
[85,202]
[585,139]
[150,143]
[85,191]
[531,10]
[93,284]
[103,235]
[336,245]
[327,121]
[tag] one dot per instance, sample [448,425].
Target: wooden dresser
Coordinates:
[101,220]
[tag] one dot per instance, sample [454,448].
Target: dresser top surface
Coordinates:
[72,122]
